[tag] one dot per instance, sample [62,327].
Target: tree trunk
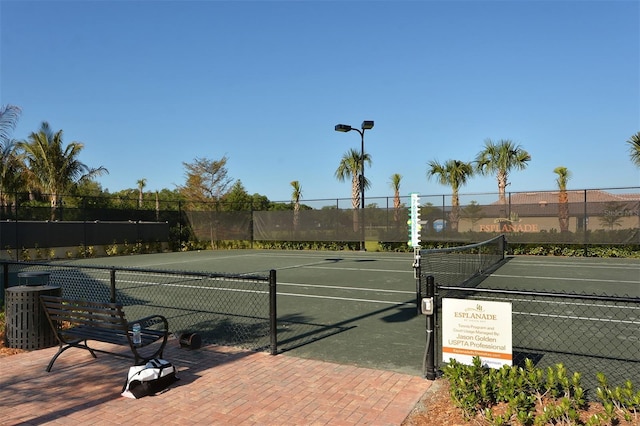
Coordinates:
[502,189]
[355,201]
[396,207]
[563,211]
[296,216]
[454,215]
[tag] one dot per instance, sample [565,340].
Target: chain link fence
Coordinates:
[587,333]
[576,217]
[224,309]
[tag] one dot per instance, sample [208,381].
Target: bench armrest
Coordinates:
[150,321]
[150,334]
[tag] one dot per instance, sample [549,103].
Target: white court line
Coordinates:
[232,290]
[408,271]
[277,285]
[198,287]
[174,276]
[580,265]
[313,265]
[531,277]
[304,265]
[347,288]
[311,296]
[347,299]
[299,265]
[574,317]
[179,262]
[564,303]
[338,256]
[328,257]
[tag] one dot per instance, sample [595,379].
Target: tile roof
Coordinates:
[594,195]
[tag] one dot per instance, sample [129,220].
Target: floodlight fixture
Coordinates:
[367,125]
[343,128]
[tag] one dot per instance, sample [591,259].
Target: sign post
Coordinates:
[427,307]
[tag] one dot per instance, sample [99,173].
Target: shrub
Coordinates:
[532,396]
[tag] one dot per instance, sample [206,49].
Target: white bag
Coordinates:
[149,379]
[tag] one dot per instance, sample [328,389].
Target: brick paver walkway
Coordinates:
[217,386]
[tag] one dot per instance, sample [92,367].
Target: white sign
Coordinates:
[477,328]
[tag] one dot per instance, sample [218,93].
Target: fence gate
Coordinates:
[586,333]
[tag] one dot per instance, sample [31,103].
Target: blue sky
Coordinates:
[148,85]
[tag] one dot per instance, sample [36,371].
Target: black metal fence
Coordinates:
[586,333]
[588,216]
[225,309]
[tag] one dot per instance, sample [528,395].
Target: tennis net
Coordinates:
[460,265]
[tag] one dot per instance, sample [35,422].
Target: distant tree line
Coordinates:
[42,171]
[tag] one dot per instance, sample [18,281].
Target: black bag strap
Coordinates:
[152,363]
[130,379]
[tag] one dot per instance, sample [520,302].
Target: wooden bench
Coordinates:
[77,321]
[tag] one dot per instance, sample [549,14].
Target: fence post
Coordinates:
[585,226]
[444,217]
[112,274]
[17,226]
[251,223]
[179,225]
[5,277]
[273,314]
[429,354]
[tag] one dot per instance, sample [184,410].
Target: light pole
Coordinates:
[366,125]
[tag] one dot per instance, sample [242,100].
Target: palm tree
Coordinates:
[295,198]
[563,198]
[55,168]
[350,167]
[9,115]
[500,158]
[12,176]
[141,184]
[634,148]
[473,212]
[10,164]
[395,185]
[454,173]
[611,220]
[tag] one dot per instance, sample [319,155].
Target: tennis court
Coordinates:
[347,307]
[359,307]
[581,312]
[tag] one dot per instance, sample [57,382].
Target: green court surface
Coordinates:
[359,307]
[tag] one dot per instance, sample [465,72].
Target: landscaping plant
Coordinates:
[531,396]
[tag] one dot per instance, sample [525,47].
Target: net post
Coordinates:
[429,366]
[416,275]
[273,316]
